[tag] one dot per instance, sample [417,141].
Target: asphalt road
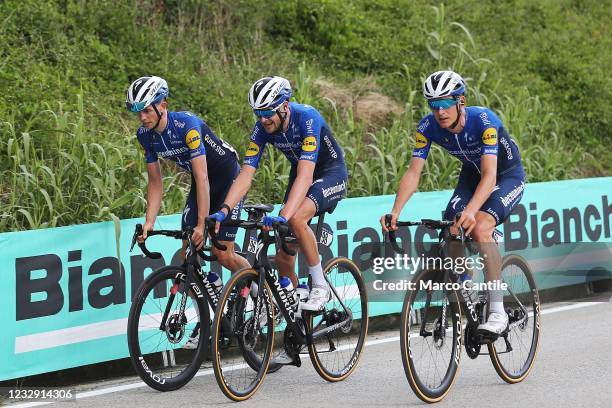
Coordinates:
[573,369]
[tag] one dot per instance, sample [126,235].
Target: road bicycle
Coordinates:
[432,323]
[173,304]
[334,336]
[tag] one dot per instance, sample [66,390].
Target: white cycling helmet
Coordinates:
[145,91]
[269,93]
[441,84]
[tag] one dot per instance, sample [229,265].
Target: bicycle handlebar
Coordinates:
[281,230]
[429,223]
[138,231]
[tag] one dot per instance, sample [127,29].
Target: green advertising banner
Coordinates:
[67,291]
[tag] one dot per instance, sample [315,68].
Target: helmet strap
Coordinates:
[456,122]
[283,117]
[159,116]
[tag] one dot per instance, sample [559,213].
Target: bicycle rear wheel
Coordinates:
[336,354]
[430,337]
[243,336]
[513,354]
[156,347]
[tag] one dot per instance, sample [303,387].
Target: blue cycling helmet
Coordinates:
[145,91]
[269,93]
[442,84]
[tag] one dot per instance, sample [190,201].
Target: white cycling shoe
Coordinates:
[317,299]
[496,323]
[192,343]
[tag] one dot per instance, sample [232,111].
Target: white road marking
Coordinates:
[209,371]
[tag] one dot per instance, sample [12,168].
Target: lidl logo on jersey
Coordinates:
[193,139]
[421,141]
[489,137]
[309,144]
[252,150]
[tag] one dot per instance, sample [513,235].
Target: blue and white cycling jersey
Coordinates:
[484,133]
[308,137]
[186,137]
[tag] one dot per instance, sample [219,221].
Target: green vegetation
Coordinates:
[68,147]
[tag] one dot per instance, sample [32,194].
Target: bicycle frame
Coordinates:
[267,275]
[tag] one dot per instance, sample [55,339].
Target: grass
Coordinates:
[69,149]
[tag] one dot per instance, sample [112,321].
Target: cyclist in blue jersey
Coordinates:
[491,180]
[185,139]
[317,180]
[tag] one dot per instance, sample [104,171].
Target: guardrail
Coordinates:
[66,291]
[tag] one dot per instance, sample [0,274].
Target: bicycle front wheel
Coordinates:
[513,354]
[157,346]
[430,336]
[344,322]
[243,336]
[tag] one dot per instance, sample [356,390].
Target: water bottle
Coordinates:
[468,287]
[302,292]
[215,281]
[287,286]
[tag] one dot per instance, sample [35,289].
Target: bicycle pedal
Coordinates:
[288,360]
[486,337]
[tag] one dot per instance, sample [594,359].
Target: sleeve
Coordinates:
[422,144]
[311,135]
[256,147]
[193,139]
[150,155]
[489,126]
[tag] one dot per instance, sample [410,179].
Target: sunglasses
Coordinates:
[442,103]
[265,113]
[135,107]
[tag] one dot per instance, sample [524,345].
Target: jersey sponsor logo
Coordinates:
[172,152]
[252,150]
[309,144]
[334,189]
[330,147]
[179,124]
[494,214]
[287,145]
[421,141]
[217,148]
[421,128]
[193,139]
[307,157]
[455,200]
[485,119]
[489,137]
[506,145]
[513,194]
[461,153]
[309,126]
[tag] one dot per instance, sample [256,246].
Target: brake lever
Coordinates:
[137,232]
[210,225]
[281,231]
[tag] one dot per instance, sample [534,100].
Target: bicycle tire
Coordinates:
[410,332]
[332,309]
[155,373]
[228,360]
[531,302]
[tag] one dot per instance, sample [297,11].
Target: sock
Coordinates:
[318,280]
[496,302]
